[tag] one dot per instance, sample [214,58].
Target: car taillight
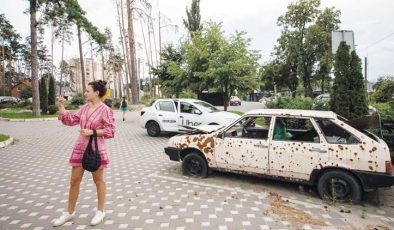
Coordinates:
[389,168]
[142,113]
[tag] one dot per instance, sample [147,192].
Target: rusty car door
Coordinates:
[244,146]
[297,147]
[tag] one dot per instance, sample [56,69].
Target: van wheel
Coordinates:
[337,185]
[194,165]
[153,129]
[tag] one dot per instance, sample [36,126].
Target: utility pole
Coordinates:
[366,72]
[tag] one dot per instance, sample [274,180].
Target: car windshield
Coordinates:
[210,108]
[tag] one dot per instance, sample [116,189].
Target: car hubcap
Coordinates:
[152,129]
[194,167]
[338,189]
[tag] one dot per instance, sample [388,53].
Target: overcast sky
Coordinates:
[371,21]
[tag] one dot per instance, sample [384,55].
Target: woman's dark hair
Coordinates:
[124,98]
[100,86]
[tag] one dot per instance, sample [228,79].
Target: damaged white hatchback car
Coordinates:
[313,147]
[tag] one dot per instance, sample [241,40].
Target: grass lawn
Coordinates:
[22,115]
[3,137]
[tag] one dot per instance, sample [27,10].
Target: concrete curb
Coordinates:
[7,142]
[29,120]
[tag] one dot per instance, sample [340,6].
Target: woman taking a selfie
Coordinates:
[95,119]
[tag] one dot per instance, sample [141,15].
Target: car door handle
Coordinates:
[180,116]
[160,115]
[317,150]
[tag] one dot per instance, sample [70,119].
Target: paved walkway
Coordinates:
[145,190]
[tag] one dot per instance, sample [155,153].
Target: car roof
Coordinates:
[293,112]
[181,99]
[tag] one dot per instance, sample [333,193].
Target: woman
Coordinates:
[93,115]
[123,107]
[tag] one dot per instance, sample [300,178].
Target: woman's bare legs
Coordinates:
[75,181]
[98,177]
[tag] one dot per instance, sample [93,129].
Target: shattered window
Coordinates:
[254,127]
[335,134]
[295,129]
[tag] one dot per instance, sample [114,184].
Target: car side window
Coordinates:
[167,106]
[335,134]
[189,108]
[253,127]
[295,129]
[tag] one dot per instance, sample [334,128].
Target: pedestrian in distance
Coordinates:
[124,107]
[94,118]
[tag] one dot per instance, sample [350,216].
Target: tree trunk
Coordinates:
[61,66]
[119,84]
[149,62]
[81,59]
[10,71]
[2,71]
[34,58]
[124,50]
[103,67]
[133,77]
[52,43]
[91,57]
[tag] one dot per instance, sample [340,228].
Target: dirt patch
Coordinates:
[294,216]
[377,227]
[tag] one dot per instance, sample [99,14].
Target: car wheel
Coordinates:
[337,185]
[153,129]
[194,165]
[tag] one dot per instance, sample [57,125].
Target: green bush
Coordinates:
[291,103]
[188,94]
[385,110]
[27,93]
[148,100]
[77,99]
[71,106]
[52,109]
[116,103]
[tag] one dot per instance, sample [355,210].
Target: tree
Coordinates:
[348,97]
[171,75]
[43,95]
[384,89]
[220,64]
[51,91]
[306,40]
[34,57]
[193,21]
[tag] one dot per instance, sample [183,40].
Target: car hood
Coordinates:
[226,115]
[200,128]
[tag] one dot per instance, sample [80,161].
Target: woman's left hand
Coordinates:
[86,132]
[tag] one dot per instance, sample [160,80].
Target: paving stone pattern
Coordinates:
[145,190]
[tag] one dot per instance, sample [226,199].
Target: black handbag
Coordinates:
[91,159]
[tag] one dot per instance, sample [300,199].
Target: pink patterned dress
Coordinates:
[101,118]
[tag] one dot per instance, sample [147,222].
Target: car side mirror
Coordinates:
[221,135]
[198,112]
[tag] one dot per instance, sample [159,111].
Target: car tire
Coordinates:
[195,165]
[338,185]
[153,129]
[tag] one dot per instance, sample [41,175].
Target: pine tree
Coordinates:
[359,103]
[43,95]
[348,97]
[51,91]
[193,21]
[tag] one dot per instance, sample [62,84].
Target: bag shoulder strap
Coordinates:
[95,140]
